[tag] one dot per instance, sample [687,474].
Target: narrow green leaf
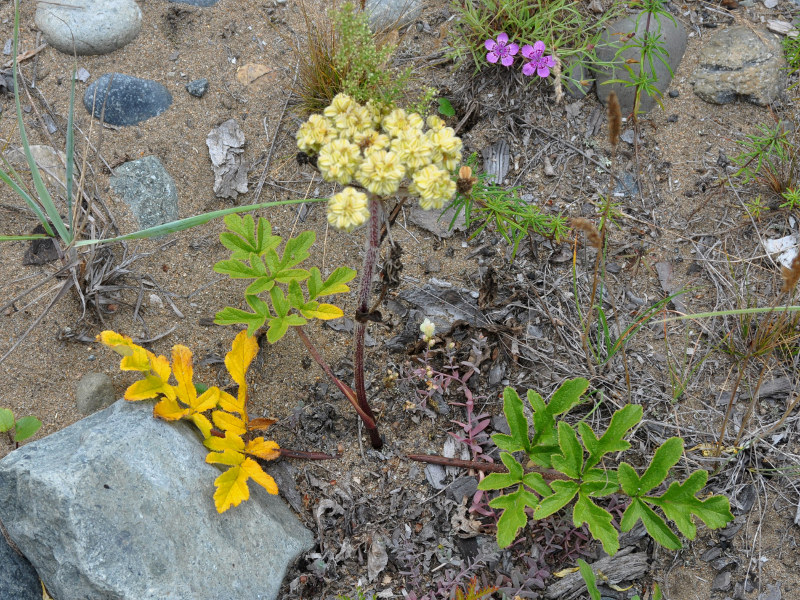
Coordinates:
[334,284]
[296,250]
[497,481]
[25,428]
[23,238]
[278,326]
[517,423]
[514,468]
[279,302]
[513,518]
[296,298]
[235,269]
[629,480]
[567,396]
[666,457]
[563,493]
[589,579]
[70,145]
[234,316]
[536,482]
[611,441]
[599,522]
[570,461]
[262,284]
[655,525]
[6,420]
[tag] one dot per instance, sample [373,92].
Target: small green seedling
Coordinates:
[23,428]
[445,108]
[566,467]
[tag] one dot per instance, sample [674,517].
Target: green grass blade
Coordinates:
[189,222]
[18,238]
[28,200]
[41,190]
[70,148]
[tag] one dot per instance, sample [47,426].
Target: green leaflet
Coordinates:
[655,525]
[570,461]
[25,427]
[599,521]
[6,419]
[563,493]
[513,518]
[517,423]
[589,579]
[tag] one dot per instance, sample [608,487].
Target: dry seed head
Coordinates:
[614,119]
[465,181]
[587,227]
[791,275]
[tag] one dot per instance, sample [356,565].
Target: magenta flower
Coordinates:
[501,50]
[537,63]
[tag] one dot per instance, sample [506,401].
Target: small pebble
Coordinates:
[198,87]
[770,3]
[8,47]
[674,93]
[672,119]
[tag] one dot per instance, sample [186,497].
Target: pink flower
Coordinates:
[501,50]
[537,63]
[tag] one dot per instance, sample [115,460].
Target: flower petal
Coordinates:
[549,61]
[507,60]
[492,57]
[527,51]
[490,44]
[538,47]
[543,71]
[512,49]
[502,38]
[528,69]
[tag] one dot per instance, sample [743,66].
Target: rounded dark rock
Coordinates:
[198,87]
[128,100]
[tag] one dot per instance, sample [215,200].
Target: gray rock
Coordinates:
[198,87]
[90,26]
[738,64]
[722,582]
[673,37]
[437,221]
[95,391]
[202,3]
[148,189]
[626,186]
[18,578]
[119,506]
[773,592]
[577,80]
[130,100]
[392,14]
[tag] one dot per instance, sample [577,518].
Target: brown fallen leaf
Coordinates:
[248,73]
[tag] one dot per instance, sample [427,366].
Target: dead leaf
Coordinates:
[377,558]
[261,424]
[225,147]
[248,73]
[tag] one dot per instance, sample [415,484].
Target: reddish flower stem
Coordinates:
[434,459]
[370,258]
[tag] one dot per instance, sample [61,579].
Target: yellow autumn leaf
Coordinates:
[160,367]
[134,358]
[254,470]
[324,312]
[208,399]
[202,423]
[565,572]
[261,424]
[229,442]
[169,410]
[228,422]
[237,361]
[182,368]
[263,449]
[226,457]
[229,403]
[231,488]
[149,387]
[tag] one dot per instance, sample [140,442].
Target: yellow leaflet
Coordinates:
[709,449]
[266,450]
[160,366]
[565,572]
[134,358]
[226,457]
[169,410]
[237,361]
[202,423]
[228,422]
[207,400]
[231,488]
[149,387]
[261,424]
[229,403]
[229,442]
[325,312]
[254,470]
[182,367]
[617,588]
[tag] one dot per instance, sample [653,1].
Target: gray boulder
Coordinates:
[392,14]
[90,26]
[18,579]
[673,37]
[148,189]
[740,64]
[119,506]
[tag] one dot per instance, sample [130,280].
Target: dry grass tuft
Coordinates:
[588,228]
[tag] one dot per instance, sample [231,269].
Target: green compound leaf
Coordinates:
[246,238]
[497,481]
[296,250]
[25,428]
[517,423]
[563,493]
[589,579]
[236,269]
[599,522]
[655,525]
[611,441]
[513,518]
[544,441]
[278,326]
[514,468]
[296,298]
[6,420]
[570,461]
[334,284]
[233,316]
[289,275]
[680,504]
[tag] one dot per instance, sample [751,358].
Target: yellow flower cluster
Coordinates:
[377,148]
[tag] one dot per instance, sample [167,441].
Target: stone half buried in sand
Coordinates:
[125,100]
[119,505]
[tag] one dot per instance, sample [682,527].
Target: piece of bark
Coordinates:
[625,565]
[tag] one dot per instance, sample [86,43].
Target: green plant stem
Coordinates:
[343,387]
[370,258]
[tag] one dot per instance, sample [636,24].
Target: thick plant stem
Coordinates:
[370,258]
